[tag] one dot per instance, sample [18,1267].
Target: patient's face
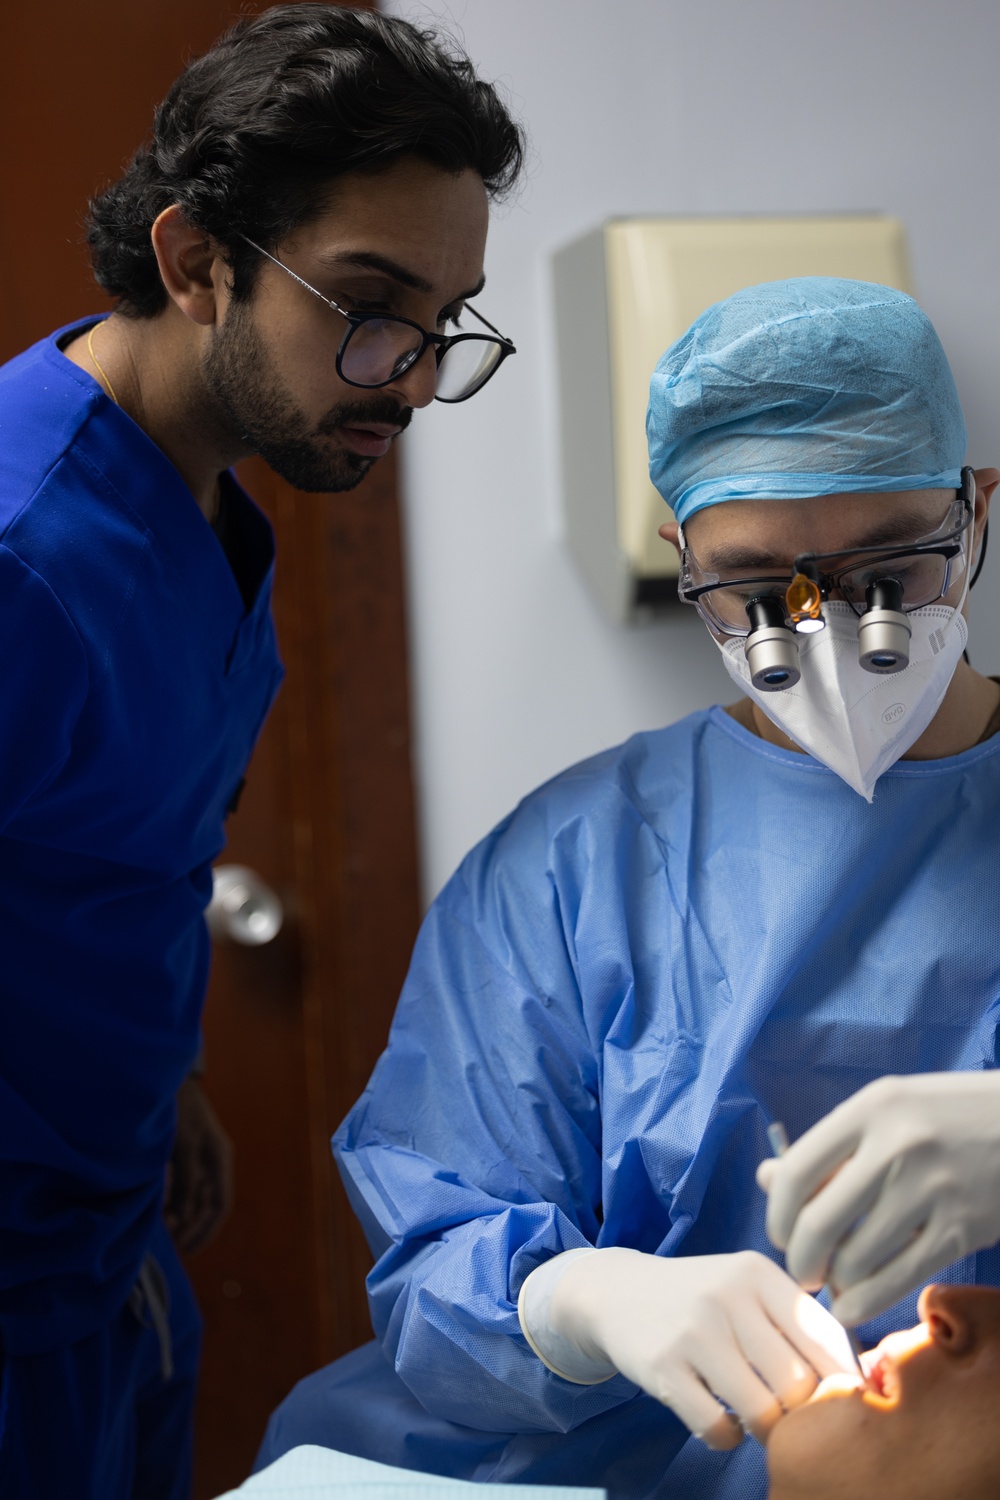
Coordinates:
[925,1427]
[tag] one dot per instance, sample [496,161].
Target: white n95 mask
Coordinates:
[857,723]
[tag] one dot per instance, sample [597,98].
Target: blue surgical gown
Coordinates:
[661,951]
[134,678]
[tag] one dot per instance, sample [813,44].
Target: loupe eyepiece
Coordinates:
[772,651]
[884,631]
[885,593]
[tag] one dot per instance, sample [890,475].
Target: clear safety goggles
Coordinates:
[925,570]
[881,584]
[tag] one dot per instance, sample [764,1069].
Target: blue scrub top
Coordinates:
[660,952]
[133,683]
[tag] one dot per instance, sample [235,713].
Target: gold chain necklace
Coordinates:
[99,367]
[111,392]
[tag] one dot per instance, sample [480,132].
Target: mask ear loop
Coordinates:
[969,491]
[969,486]
[982,553]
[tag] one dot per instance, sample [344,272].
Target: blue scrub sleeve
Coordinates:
[475,1153]
[43,684]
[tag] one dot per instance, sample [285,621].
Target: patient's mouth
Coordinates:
[881,1366]
[882,1379]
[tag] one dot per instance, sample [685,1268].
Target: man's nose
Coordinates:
[418,385]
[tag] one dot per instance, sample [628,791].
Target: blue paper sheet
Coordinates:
[320,1472]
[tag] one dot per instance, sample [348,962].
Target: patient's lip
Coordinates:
[882,1365]
[883,1378]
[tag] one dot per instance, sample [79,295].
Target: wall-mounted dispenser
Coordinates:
[623,294]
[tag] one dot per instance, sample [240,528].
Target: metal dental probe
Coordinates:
[777,1139]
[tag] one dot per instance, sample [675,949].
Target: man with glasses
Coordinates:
[769,922]
[292,253]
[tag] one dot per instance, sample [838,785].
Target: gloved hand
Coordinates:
[693,1332]
[917,1161]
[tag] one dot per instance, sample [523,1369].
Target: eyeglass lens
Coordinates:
[380,349]
[465,366]
[924,576]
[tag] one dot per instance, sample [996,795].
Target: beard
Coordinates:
[263,414]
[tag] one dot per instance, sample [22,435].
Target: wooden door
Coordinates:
[292,1030]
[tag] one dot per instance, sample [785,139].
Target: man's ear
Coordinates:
[986,482]
[670,533]
[186,258]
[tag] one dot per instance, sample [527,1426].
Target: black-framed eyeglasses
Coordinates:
[379,347]
[924,569]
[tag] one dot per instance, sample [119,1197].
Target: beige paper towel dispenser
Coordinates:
[623,293]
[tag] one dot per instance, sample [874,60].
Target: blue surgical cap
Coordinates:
[806,387]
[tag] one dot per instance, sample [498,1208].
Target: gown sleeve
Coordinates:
[43,684]
[475,1153]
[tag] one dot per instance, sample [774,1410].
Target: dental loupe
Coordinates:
[883,630]
[772,650]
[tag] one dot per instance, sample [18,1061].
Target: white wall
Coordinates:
[664,106]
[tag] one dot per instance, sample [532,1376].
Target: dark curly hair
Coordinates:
[252,133]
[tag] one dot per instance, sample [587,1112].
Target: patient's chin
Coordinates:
[816,1451]
[922,1427]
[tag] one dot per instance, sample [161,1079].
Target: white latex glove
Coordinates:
[693,1332]
[917,1161]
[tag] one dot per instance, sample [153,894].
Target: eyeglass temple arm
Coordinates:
[806,561]
[487,324]
[289,272]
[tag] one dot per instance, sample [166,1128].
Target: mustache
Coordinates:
[359,413]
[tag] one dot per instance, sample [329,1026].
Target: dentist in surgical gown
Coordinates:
[754,915]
